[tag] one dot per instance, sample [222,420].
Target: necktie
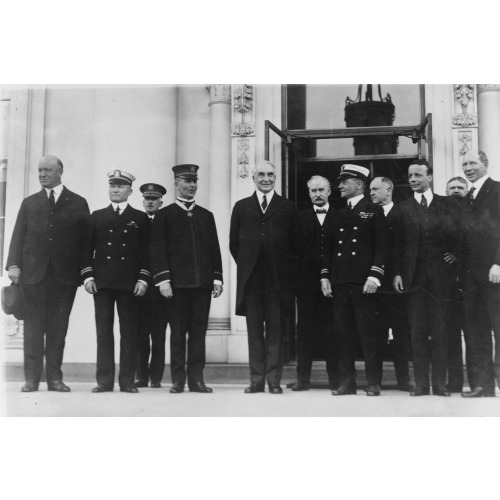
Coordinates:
[52,200]
[117,211]
[321,210]
[264,203]
[470,197]
[423,202]
[349,205]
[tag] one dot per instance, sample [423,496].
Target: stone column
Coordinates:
[219,196]
[489,125]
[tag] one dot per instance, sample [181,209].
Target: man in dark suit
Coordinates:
[187,268]
[44,256]
[456,187]
[153,310]
[265,241]
[314,310]
[481,275]
[353,268]
[390,307]
[115,270]
[425,245]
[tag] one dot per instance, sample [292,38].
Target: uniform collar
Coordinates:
[324,207]
[355,200]
[122,205]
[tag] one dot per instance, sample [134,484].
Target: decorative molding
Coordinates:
[243,161]
[243,104]
[488,87]
[464,95]
[464,142]
[219,93]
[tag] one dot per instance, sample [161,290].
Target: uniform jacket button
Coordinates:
[354,253]
[108,257]
[339,254]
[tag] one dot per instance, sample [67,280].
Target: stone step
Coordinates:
[223,373]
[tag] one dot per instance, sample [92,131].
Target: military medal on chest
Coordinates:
[190,214]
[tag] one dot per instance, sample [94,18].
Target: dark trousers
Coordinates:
[127,306]
[189,309]
[392,314]
[356,312]
[314,324]
[455,353]
[151,338]
[429,316]
[48,306]
[482,314]
[265,315]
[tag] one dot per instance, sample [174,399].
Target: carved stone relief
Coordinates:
[219,93]
[243,104]
[243,161]
[465,102]
[464,141]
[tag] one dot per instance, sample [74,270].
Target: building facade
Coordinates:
[221,127]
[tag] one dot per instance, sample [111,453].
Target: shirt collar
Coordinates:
[269,196]
[479,184]
[387,208]
[324,207]
[179,201]
[57,190]
[355,200]
[428,196]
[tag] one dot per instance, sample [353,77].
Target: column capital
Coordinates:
[219,93]
[488,87]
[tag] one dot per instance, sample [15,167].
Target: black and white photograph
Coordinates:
[305,264]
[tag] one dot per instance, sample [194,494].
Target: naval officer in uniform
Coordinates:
[353,269]
[153,310]
[115,270]
[187,268]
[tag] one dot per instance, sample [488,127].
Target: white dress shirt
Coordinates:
[387,208]
[122,205]
[321,217]
[429,196]
[478,185]
[269,197]
[57,191]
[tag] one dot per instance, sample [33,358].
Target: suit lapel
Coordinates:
[273,206]
[42,198]
[483,192]
[64,197]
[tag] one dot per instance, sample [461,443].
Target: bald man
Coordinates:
[44,256]
[481,275]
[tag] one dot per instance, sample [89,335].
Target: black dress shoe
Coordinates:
[454,388]
[102,388]
[155,385]
[489,393]
[141,383]
[440,390]
[199,387]
[275,389]
[300,386]
[333,386]
[253,388]
[176,388]
[58,386]
[372,390]
[131,389]
[29,386]
[477,392]
[420,391]
[343,391]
